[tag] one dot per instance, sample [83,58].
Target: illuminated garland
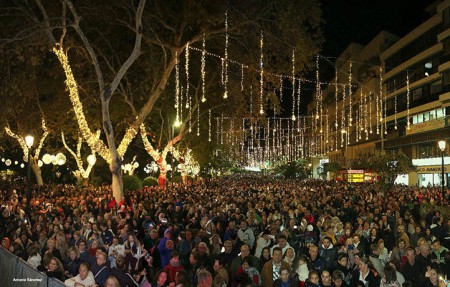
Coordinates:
[177,90]
[378,100]
[370,114]
[281,88]
[350,94]
[187,164]
[299,92]
[395,111]
[23,144]
[336,94]
[225,95]
[203,70]
[71,84]
[81,172]
[261,74]
[160,158]
[293,85]
[317,87]
[407,101]
[209,125]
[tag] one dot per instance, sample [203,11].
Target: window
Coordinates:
[436,87]
[440,113]
[417,94]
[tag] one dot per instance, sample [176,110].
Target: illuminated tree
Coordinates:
[81,174]
[34,159]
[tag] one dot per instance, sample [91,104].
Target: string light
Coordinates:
[281,88]
[395,111]
[370,113]
[350,95]
[299,92]
[225,95]
[261,74]
[242,78]
[293,85]
[378,100]
[317,87]
[198,120]
[336,94]
[81,172]
[160,158]
[407,101]
[203,69]
[177,89]
[209,125]
[188,104]
[71,84]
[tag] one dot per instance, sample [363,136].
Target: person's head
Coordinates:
[374,249]
[282,241]
[83,270]
[289,253]
[204,278]
[245,251]
[265,253]
[51,244]
[284,274]
[112,281]
[181,277]
[82,245]
[161,278]
[424,250]
[243,225]
[194,258]
[73,253]
[302,260]
[410,255]
[326,242]
[434,274]
[277,255]
[313,277]
[363,265]
[401,244]
[326,277]
[389,274]
[228,246]
[313,251]
[342,259]
[400,229]
[100,258]
[55,264]
[436,245]
[338,278]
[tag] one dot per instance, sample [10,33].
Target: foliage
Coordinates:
[330,167]
[390,165]
[150,181]
[131,182]
[293,169]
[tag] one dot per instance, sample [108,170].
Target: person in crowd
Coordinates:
[112,281]
[328,252]
[174,266]
[389,278]
[271,270]
[34,258]
[313,279]
[365,274]
[161,279]
[55,269]
[100,268]
[285,279]
[85,278]
[73,261]
[338,279]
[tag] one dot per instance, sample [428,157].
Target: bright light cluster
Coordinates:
[91,159]
[90,138]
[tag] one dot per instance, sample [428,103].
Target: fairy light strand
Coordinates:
[203,71]
[261,74]
[408,123]
[293,85]
[225,95]
[350,95]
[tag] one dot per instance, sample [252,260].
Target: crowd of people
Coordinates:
[231,231]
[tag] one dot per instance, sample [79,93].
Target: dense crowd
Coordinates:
[234,231]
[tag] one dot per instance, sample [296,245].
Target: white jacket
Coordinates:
[88,281]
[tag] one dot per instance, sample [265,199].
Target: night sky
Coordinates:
[359,21]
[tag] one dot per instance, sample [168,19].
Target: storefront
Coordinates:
[431,175]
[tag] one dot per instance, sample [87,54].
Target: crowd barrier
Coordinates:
[16,272]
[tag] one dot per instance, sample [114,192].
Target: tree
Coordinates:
[34,159]
[160,34]
[330,167]
[390,165]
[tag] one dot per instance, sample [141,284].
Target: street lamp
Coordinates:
[442,144]
[310,169]
[29,140]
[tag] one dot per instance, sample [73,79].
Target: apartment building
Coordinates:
[404,107]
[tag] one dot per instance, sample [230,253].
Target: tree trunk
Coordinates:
[37,172]
[162,179]
[117,181]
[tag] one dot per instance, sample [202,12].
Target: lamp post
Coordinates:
[29,140]
[310,169]
[442,144]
